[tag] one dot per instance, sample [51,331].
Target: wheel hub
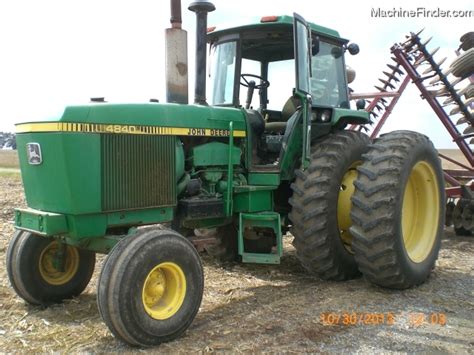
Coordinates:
[49,265]
[164,290]
[344,205]
[420,212]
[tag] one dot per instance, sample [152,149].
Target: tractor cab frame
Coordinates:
[297,72]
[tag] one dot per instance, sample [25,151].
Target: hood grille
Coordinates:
[138,171]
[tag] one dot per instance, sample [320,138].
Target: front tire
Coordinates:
[398,210]
[35,274]
[321,206]
[150,287]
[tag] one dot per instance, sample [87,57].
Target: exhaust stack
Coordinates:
[201,8]
[176,57]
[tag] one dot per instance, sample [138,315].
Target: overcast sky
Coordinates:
[59,52]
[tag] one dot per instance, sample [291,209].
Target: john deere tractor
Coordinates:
[268,154]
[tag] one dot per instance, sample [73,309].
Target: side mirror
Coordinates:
[353,48]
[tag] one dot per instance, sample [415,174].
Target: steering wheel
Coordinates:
[245,82]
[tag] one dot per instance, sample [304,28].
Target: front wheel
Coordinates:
[150,287]
[42,270]
[398,210]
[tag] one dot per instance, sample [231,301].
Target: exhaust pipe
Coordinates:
[176,57]
[201,8]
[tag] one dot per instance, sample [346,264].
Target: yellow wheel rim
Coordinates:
[164,290]
[50,273]
[344,205]
[420,213]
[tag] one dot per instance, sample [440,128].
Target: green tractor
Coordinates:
[135,180]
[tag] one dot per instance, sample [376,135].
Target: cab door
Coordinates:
[302,48]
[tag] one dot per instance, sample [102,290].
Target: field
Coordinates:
[254,308]
[8,159]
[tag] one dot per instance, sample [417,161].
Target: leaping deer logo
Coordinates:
[34,153]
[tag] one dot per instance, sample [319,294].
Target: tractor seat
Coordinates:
[275,127]
[290,107]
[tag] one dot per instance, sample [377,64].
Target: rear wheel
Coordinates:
[321,204]
[150,287]
[398,210]
[42,270]
[463,66]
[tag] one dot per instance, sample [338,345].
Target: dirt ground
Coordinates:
[253,308]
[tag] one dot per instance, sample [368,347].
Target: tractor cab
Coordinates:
[278,71]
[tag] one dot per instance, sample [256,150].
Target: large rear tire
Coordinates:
[150,287]
[398,210]
[35,274]
[321,206]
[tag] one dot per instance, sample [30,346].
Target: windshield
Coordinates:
[328,81]
[223,73]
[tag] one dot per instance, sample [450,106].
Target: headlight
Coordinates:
[326,116]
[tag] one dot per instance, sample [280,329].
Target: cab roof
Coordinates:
[277,21]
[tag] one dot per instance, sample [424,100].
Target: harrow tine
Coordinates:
[433,69]
[434,80]
[391,76]
[419,61]
[437,78]
[471,141]
[411,49]
[443,90]
[461,121]
[395,69]
[442,61]
[409,41]
[434,52]
[427,70]
[423,58]
[448,101]
[427,41]
[468,130]
[387,83]
[418,33]
[450,104]
[455,110]
[380,89]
